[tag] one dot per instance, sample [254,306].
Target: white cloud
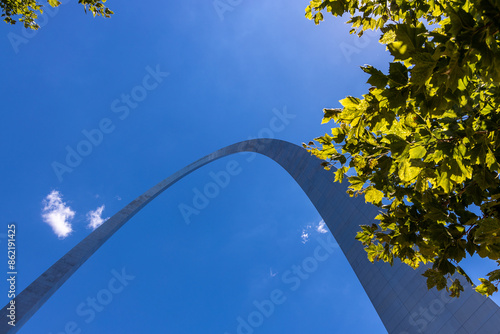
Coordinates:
[304,236]
[313,228]
[321,228]
[57,214]
[94,218]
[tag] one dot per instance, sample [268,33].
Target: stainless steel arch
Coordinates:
[398,293]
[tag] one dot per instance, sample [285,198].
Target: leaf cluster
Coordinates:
[423,143]
[26,11]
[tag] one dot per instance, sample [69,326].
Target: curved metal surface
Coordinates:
[398,293]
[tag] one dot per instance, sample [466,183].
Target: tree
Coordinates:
[423,143]
[26,11]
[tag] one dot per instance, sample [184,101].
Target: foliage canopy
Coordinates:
[26,11]
[423,143]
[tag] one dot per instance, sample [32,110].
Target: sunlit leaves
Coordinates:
[406,172]
[424,142]
[408,40]
[417,152]
[486,287]
[54,3]
[329,114]
[27,11]
[373,195]
[339,173]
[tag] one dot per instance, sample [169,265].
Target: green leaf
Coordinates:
[373,195]
[488,231]
[350,102]
[486,288]
[494,275]
[377,78]
[417,152]
[456,288]
[411,35]
[388,37]
[444,266]
[456,252]
[423,69]
[399,50]
[329,114]
[435,279]
[490,158]
[356,183]
[54,3]
[398,74]
[338,135]
[339,173]
[444,181]
[406,172]
[395,97]
[318,17]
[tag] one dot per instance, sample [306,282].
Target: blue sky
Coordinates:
[156,87]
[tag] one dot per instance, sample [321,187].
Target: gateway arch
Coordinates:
[398,293]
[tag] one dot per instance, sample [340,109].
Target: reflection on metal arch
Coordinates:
[401,300]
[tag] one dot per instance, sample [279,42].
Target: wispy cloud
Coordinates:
[57,214]
[304,236]
[95,218]
[311,229]
[321,228]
